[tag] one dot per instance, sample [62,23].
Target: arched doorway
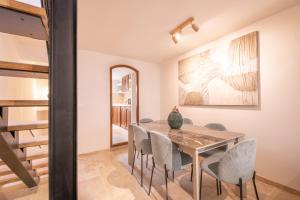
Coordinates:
[124,102]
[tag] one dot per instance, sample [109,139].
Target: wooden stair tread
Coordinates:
[40,165]
[5,172]
[37,156]
[23,70]
[14,179]
[9,180]
[35,167]
[25,126]
[23,67]
[23,19]
[23,103]
[32,157]
[42,172]
[33,143]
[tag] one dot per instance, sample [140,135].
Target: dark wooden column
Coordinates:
[63,100]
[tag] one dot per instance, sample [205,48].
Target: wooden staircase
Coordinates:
[19,161]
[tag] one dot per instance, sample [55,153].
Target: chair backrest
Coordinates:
[216,126]
[165,152]
[238,162]
[187,121]
[146,120]
[141,139]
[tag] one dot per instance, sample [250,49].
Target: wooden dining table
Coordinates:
[191,139]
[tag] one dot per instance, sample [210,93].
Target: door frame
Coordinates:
[111,106]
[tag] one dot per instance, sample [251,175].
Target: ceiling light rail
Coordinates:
[177,31]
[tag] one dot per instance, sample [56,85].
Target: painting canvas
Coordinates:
[224,75]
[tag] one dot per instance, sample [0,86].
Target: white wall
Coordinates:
[275,124]
[93,96]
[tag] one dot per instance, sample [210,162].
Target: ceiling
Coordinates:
[139,29]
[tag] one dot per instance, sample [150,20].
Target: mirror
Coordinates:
[124,102]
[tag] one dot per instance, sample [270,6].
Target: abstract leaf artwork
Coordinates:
[224,75]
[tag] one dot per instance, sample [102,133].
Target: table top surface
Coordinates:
[192,136]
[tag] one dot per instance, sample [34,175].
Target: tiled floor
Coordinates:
[105,175]
[119,134]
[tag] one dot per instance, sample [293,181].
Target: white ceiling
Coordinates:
[139,29]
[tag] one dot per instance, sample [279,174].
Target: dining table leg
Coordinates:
[196,174]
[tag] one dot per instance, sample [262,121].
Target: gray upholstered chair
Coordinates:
[142,144]
[187,121]
[166,156]
[146,120]
[216,126]
[235,166]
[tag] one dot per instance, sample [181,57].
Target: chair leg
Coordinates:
[173,175]
[152,171]
[200,192]
[217,183]
[147,162]
[254,184]
[133,160]
[166,179]
[141,168]
[241,188]
[137,156]
[192,172]
[220,187]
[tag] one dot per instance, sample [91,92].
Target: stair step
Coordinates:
[23,70]
[23,19]
[42,172]
[37,166]
[41,165]
[24,67]
[5,172]
[37,156]
[25,126]
[23,103]
[32,157]
[33,143]
[14,179]
[9,180]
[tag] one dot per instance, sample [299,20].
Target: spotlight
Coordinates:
[195,27]
[176,37]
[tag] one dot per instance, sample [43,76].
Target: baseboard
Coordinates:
[92,152]
[278,185]
[119,146]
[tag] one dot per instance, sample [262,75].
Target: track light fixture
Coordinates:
[176,32]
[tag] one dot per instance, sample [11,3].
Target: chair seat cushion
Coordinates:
[210,164]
